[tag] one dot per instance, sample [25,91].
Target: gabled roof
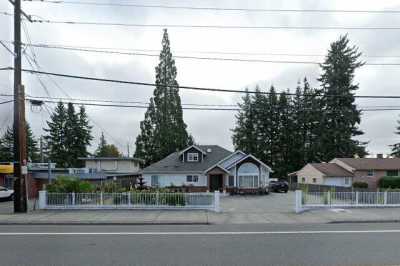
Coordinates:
[172,163]
[193,146]
[254,158]
[372,163]
[331,170]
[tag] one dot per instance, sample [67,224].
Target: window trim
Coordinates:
[157,183]
[194,179]
[387,173]
[370,172]
[254,184]
[191,157]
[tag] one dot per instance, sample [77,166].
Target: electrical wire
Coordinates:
[196,88]
[187,26]
[209,8]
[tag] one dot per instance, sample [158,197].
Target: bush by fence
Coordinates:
[391,182]
[360,184]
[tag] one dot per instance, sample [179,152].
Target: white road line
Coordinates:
[194,233]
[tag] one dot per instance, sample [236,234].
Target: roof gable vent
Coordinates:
[209,150]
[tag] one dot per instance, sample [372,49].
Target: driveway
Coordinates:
[241,209]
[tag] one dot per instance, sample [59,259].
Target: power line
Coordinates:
[119,50]
[6,47]
[91,50]
[186,26]
[264,10]
[200,108]
[9,101]
[194,88]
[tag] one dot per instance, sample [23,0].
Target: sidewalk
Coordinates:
[140,217]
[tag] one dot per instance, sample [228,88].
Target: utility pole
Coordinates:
[127,145]
[20,156]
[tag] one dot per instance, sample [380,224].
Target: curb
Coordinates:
[364,221]
[104,223]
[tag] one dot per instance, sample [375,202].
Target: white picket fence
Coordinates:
[129,200]
[310,200]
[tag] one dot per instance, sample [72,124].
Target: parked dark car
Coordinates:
[279,186]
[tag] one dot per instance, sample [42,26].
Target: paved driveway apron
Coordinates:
[272,208]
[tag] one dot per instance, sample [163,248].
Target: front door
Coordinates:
[215,183]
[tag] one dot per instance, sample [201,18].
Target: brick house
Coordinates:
[345,171]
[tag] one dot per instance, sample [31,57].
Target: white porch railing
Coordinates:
[130,200]
[329,199]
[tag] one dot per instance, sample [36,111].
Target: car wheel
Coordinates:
[285,191]
[11,197]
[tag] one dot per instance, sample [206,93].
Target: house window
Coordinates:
[193,157]
[314,180]
[248,174]
[303,180]
[370,173]
[347,180]
[392,172]
[248,181]
[192,178]
[154,181]
[231,181]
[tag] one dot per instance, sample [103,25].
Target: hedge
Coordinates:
[389,182]
[360,184]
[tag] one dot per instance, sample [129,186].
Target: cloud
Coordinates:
[213,127]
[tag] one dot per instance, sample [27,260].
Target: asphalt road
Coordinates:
[339,244]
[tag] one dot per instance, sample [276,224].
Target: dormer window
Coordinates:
[193,157]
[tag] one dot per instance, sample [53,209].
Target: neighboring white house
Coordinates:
[329,174]
[209,168]
[112,164]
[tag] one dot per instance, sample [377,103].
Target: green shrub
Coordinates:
[390,182]
[360,184]
[67,184]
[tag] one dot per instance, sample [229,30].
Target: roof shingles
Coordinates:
[172,163]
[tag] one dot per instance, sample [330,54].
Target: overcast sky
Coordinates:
[121,126]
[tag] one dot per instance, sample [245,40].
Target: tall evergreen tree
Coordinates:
[68,135]
[163,130]
[7,145]
[56,136]
[396,146]
[106,150]
[244,134]
[340,115]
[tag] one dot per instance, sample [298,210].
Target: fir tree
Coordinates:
[7,146]
[244,136]
[56,137]
[396,147]
[106,150]
[340,115]
[163,130]
[69,134]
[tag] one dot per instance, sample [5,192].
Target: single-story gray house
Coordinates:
[209,168]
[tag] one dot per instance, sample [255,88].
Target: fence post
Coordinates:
[73,198]
[357,193]
[101,198]
[329,197]
[129,198]
[157,198]
[216,201]
[298,203]
[42,199]
[385,198]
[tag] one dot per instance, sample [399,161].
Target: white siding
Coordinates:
[165,180]
[123,166]
[338,181]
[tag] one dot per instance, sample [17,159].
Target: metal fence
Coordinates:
[310,200]
[129,200]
